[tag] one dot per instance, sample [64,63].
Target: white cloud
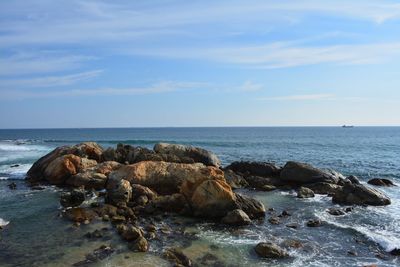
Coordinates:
[250,86]
[301,97]
[51,81]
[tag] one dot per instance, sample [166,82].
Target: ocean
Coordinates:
[35,235]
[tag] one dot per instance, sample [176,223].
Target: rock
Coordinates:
[263,183]
[292,225]
[353,179]
[314,223]
[88,150]
[285,213]
[292,243]
[142,194]
[212,198]
[176,255]
[302,173]
[80,214]
[270,250]
[235,180]
[381,182]
[62,168]
[139,245]
[357,194]
[324,188]
[117,219]
[166,177]
[131,233]
[118,191]
[172,203]
[336,211]
[274,220]
[252,207]
[236,217]
[14,166]
[305,192]
[97,255]
[395,252]
[89,180]
[73,198]
[253,168]
[94,235]
[268,188]
[352,253]
[182,151]
[12,186]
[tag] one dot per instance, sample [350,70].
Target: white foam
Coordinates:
[17,147]
[3,222]
[14,172]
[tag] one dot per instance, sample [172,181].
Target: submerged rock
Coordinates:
[314,223]
[302,173]
[97,255]
[357,194]
[80,214]
[305,192]
[336,211]
[236,217]
[270,250]
[72,199]
[176,256]
[12,186]
[381,182]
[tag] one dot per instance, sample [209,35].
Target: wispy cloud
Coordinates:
[301,97]
[157,88]
[50,81]
[249,86]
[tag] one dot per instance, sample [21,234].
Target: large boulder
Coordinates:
[87,150]
[302,173]
[182,151]
[167,177]
[252,207]
[255,168]
[270,250]
[358,194]
[381,182]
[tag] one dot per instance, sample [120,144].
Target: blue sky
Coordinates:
[199,63]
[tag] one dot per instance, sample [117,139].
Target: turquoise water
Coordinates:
[37,236]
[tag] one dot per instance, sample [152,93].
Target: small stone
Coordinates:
[285,213]
[140,245]
[270,250]
[268,188]
[151,228]
[177,256]
[292,225]
[12,186]
[314,223]
[352,253]
[118,219]
[336,211]
[131,233]
[348,209]
[274,220]
[86,222]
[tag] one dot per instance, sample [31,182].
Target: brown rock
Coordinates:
[236,217]
[80,214]
[270,250]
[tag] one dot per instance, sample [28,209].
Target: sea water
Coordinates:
[35,235]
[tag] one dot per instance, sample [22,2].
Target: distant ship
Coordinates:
[347,126]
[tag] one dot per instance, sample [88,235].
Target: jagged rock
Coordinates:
[254,168]
[357,194]
[305,192]
[302,173]
[252,207]
[118,191]
[182,151]
[381,182]
[270,250]
[235,180]
[236,217]
[80,214]
[176,256]
[73,198]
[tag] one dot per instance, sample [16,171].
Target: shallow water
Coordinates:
[37,236]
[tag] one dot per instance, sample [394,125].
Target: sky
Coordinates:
[167,63]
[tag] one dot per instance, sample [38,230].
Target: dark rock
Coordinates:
[12,186]
[263,183]
[324,188]
[118,190]
[285,213]
[292,225]
[139,245]
[131,233]
[353,179]
[270,250]
[292,243]
[357,194]
[352,253]
[305,192]
[117,219]
[236,217]
[395,252]
[274,220]
[14,166]
[381,182]
[302,173]
[97,255]
[72,199]
[235,180]
[176,256]
[253,168]
[252,207]
[336,211]
[314,223]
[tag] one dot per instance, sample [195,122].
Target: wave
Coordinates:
[13,171]
[3,222]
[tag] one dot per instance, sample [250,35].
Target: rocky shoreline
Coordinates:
[136,186]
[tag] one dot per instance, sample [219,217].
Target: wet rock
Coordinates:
[14,166]
[176,256]
[80,214]
[169,203]
[97,255]
[292,243]
[381,182]
[324,188]
[302,173]
[209,259]
[182,151]
[274,220]
[12,186]
[352,253]
[292,225]
[353,179]
[235,180]
[131,233]
[357,194]
[305,192]
[72,199]
[336,211]
[395,252]
[254,168]
[252,207]
[142,191]
[118,191]
[263,183]
[117,219]
[314,223]
[94,235]
[139,245]
[270,250]
[285,213]
[89,180]
[236,217]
